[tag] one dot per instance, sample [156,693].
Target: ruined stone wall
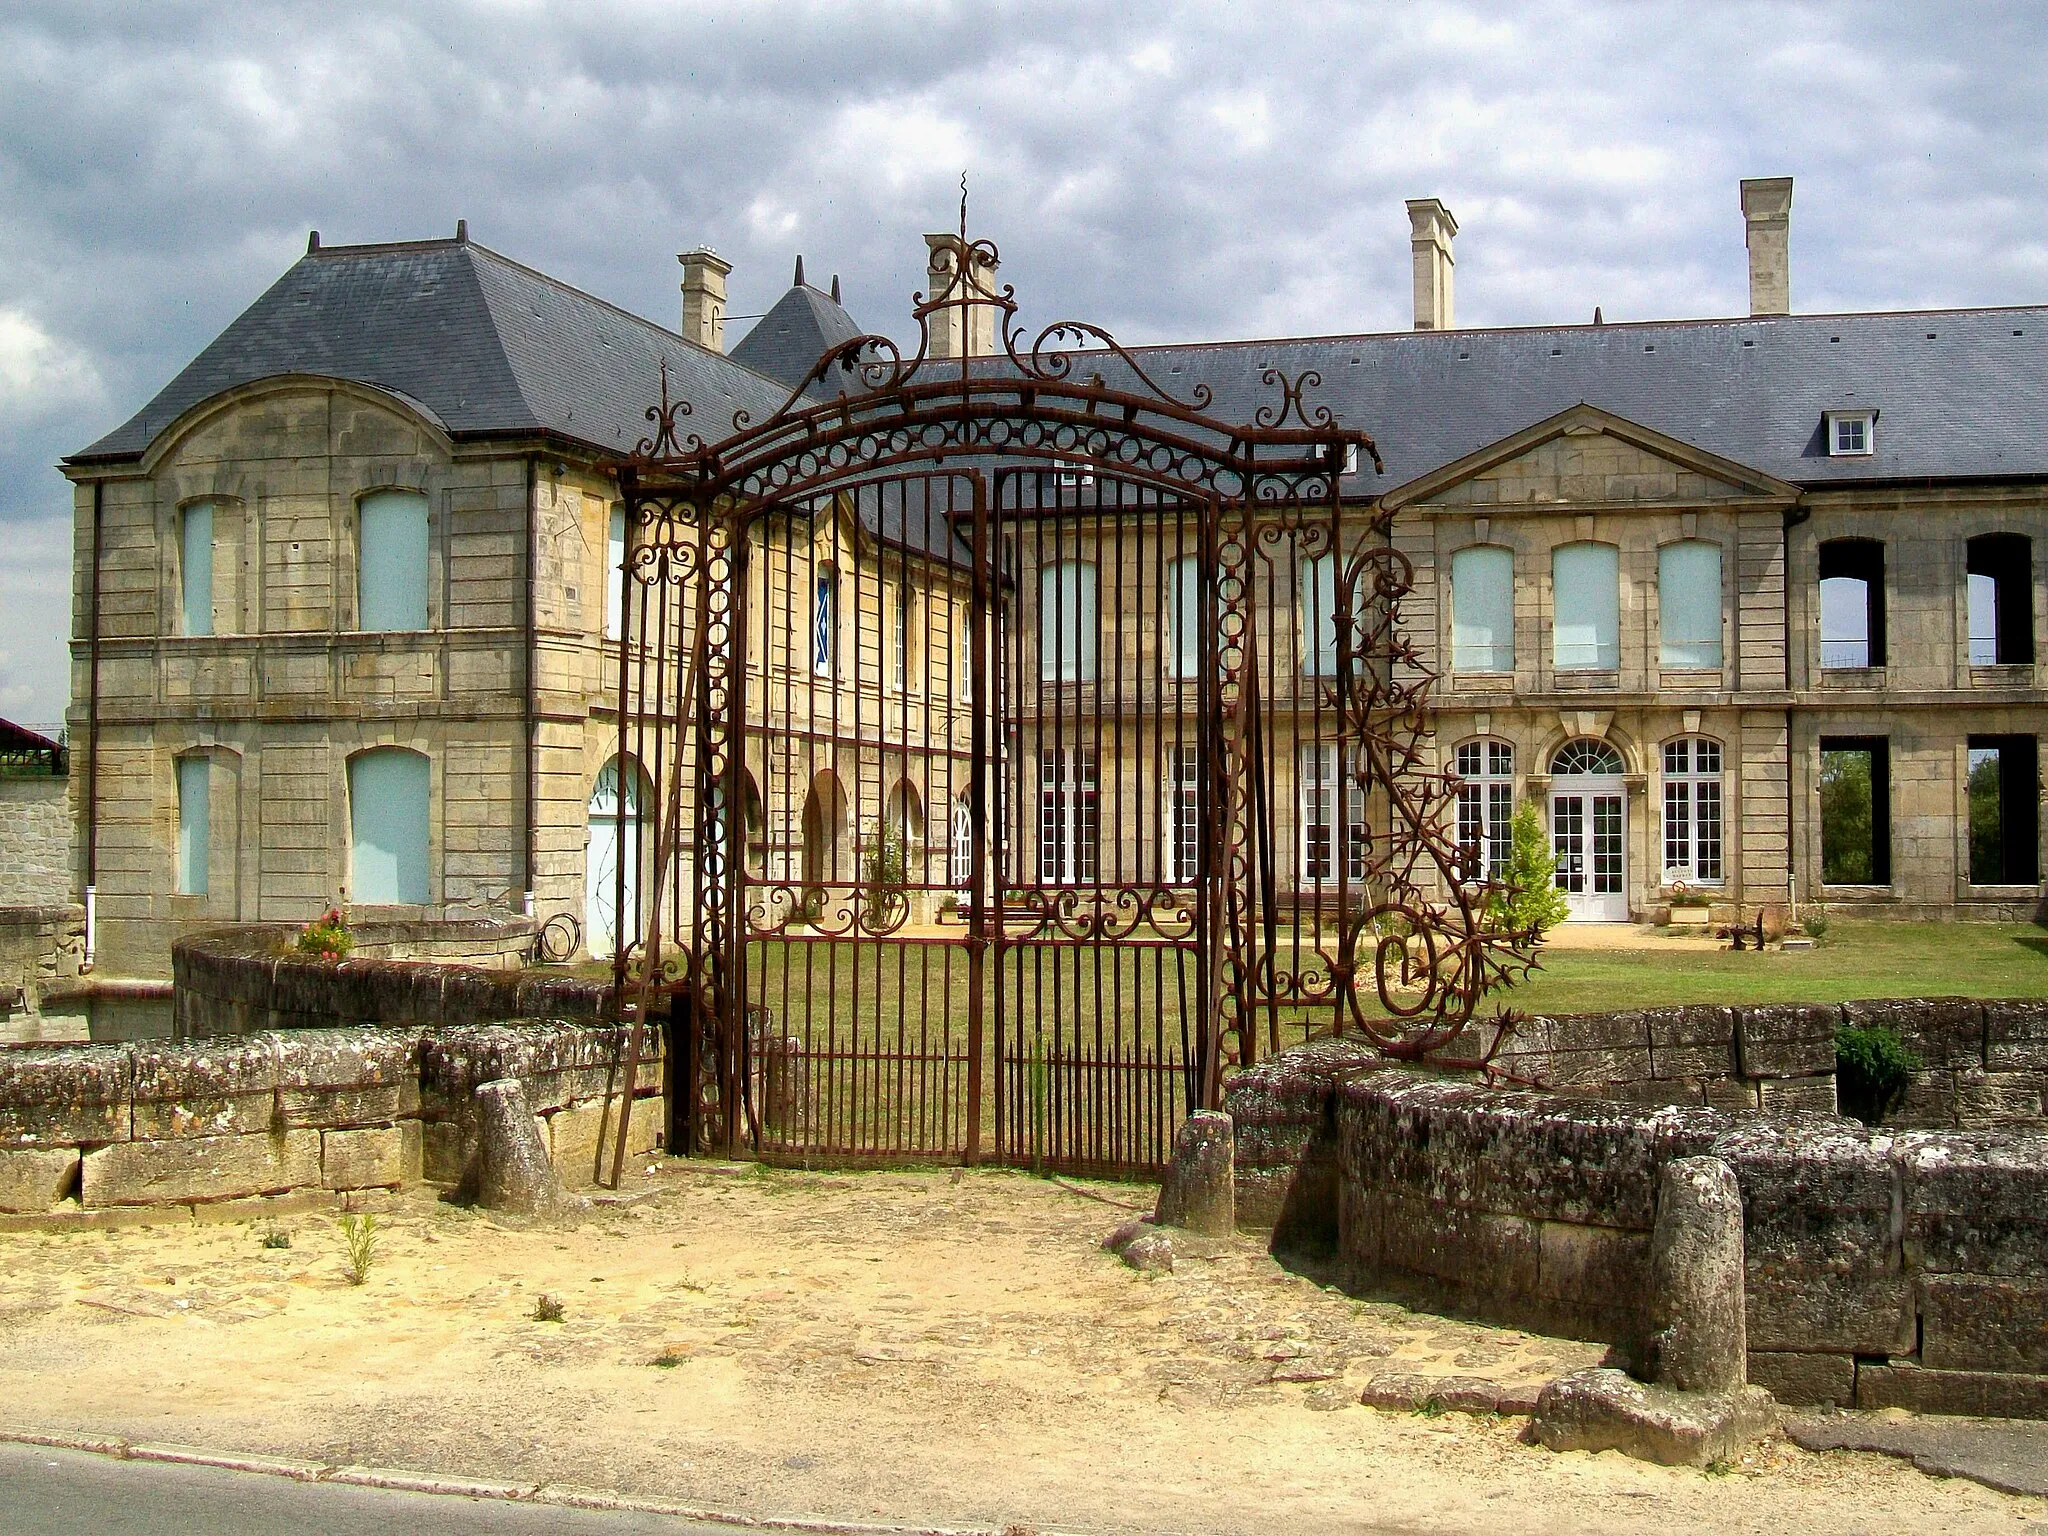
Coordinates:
[39,946]
[1984,1063]
[1883,1269]
[35,841]
[336,1111]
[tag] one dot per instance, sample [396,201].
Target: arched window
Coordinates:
[1183,617]
[1318,602]
[1585,624]
[1586,756]
[1486,802]
[1692,811]
[195,823]
[906,815]
[1689,605]
[195,567]
[1483,609]
[391,562]
[387,809]
[616,847]
[1066,622]
[753,824]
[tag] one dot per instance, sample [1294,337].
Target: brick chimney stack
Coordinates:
[1433,228]
[704,273]
[1767,220]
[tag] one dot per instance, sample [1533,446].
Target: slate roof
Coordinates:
[1961,393]
[787,341]
[483,344]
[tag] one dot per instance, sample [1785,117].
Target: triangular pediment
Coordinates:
[1586,458]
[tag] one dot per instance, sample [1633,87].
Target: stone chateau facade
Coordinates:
[1750,607]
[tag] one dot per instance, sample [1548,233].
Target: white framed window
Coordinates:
[387,809]
[1585,625]
[1184,813]
[1317,600]
[391,561]
[1486,802]
[960,868]
[1068,815]
[1692,811]
[615,572]
[1851,434]
[963,620]
[1070,475]
[1320,783]
[1184,617]
[825,623]
[195,567]
[1066,622]
[1483,609]
[1689,605]
[905,616]
[195,823]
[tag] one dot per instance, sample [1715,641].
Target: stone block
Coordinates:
[348,1058]
[1649,1092]
[1928,1103]
[1976,1394]
[1199,1191]
[36,1178]
[320,1107]
[1786,1039]
[1797,1095]
[1819,1310]
[1972,1324]
[386,992]
[1696,1041]
[574,1135]
[362,1159]
[1736,1095]
[1361,1226]
[303,987]
[1805,1380]
[241,1114]
[1988,1099]
[1473,1250]
[445,1151]
[1975,1202]
[205,1168]
[1583,1049]
[1946,1033]
[1601,1269]
[472,996]
[65,1095]
[561,997]
[1603,1410]
[1694,1300]
[2016,1034]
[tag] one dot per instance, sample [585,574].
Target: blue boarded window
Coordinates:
[1689,605]
[1586,622]
[195,567]
[1483,609]
[387,806]
[391,565]
[195,823]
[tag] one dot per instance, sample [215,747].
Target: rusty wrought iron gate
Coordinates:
[1024,752]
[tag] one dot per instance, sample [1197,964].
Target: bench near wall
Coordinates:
[336,1110]
[1885,1268]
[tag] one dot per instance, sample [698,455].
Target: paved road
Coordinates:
[70,1493]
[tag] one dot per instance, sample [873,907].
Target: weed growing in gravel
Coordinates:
[274,1238]
[359,1234]
[548,1309]
[668,1360]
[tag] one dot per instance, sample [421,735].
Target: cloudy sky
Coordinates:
[1175,172]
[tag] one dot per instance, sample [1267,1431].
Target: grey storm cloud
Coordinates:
[1174,172]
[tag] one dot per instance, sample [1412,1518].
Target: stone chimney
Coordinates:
[1432,227]
[1767,219]
[961,332]
[704,272]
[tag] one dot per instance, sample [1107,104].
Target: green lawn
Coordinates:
[1857,960]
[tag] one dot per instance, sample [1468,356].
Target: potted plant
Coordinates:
[1689,908]
[326,937]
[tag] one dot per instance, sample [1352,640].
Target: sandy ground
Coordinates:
[931,1347]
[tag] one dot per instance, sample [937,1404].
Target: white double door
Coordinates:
[1589,835]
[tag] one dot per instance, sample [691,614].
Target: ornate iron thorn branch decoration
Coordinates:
[663,444]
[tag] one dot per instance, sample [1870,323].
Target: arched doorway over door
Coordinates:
[616,832]
[1589,830]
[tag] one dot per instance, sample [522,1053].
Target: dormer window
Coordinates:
[1851,434]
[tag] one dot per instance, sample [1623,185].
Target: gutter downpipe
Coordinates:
[92,741]
[532,642]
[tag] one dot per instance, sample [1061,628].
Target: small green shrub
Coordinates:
[1531,900]
[327,936]
[1873,1068]
[359,1235]
[548,1309]
[668,1360]
[276,1238]
[884,870]
[1815,922]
